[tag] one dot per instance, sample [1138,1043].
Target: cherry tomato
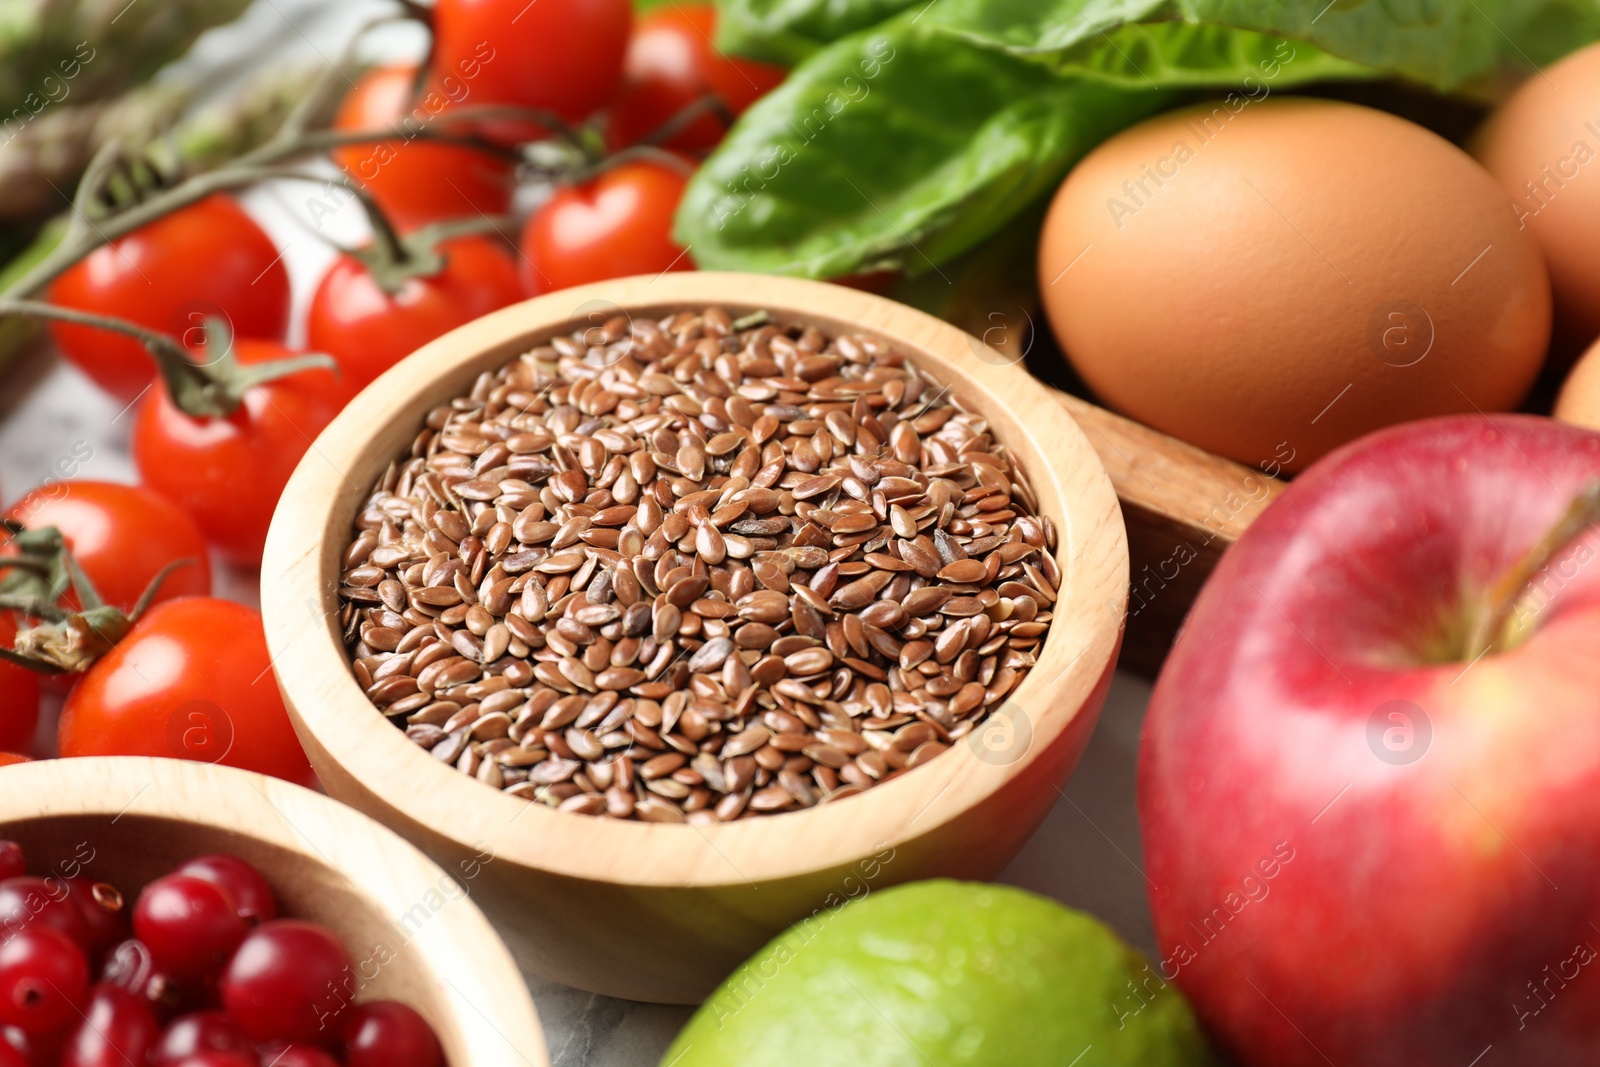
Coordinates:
[191,680]
[209,259]
[227,472]
[609,227]
[122,536]
[671,63]
[8,758]
[19,698]
[563,56]
[416,181]
[368,330]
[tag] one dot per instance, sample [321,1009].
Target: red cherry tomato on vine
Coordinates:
[416,182]
[563,56]
[609,227]
[19,697]
[368,330]
[191,680]
[122,536]
[671,63]
[208,259]
[227,472]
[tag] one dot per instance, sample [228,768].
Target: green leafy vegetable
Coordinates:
[898,147]
[786,31]
[1178,55]
[1442,43]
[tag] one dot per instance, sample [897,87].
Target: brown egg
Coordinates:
[1543,145]
[1271,280]
[1579,401]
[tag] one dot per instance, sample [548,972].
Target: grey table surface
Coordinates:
[1087,852]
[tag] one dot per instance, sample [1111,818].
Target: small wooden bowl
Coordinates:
[414,936]
[664,912]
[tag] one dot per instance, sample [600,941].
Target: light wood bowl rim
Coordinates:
[466,959]
[300,569]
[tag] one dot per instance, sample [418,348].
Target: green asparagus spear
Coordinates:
[52,51]
[40,166]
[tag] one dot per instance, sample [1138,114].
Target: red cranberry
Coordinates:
[279,1055]
[200,1031]
[104,912]
[243,883]
[214,1059]
[291,980]
[29,901]
[10,1057]
[191,926]
[129,965]
[387,1033]
[12,864]
[43,977]
[37,1050]
[117,1029]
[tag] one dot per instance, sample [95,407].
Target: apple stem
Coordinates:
[1490,633]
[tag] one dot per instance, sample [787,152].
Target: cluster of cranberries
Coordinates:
[204,975]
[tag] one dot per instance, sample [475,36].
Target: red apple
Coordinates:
[1367,849]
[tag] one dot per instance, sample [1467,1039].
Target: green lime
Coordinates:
[944,974]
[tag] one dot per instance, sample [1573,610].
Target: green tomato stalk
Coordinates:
[212,389]
[63,642]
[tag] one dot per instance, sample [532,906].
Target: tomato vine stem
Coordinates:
[212,389]
[90,230]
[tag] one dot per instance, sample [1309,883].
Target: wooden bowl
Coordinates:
[415,937]
[664,912]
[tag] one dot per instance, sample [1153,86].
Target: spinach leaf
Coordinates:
[786,31]
[1172,55]
[898,147]
[1443,43]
